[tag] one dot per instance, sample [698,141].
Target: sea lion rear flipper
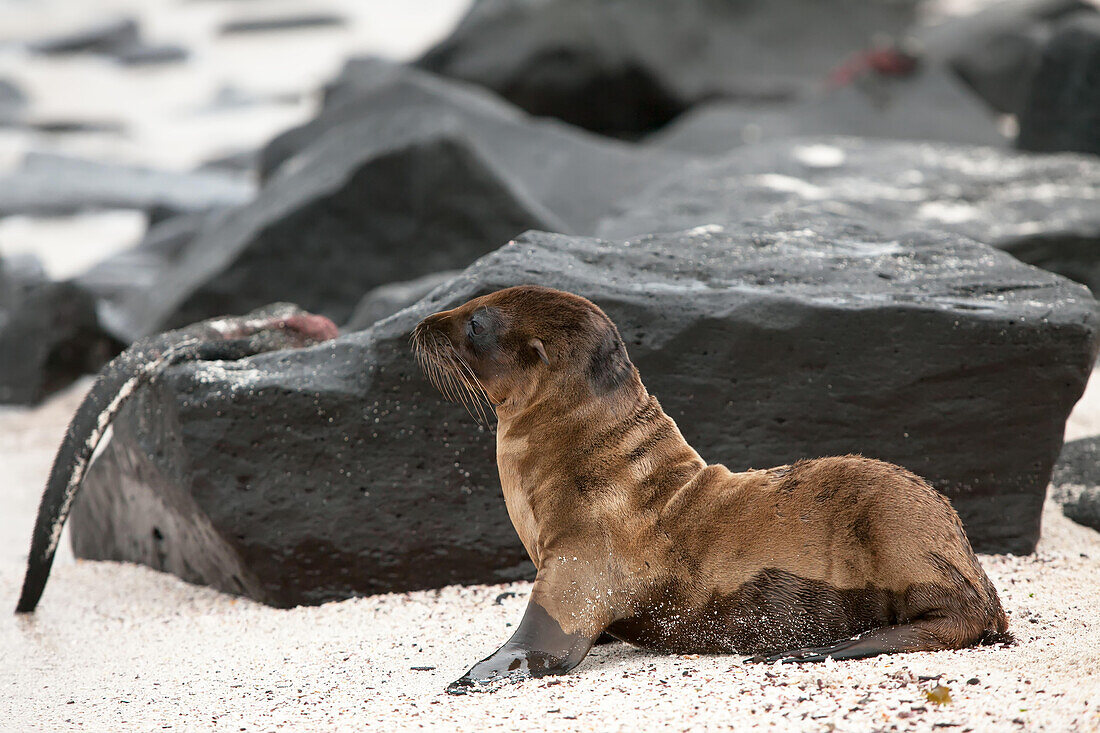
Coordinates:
[912,637]
[275,327]
[538,648]
[116,382]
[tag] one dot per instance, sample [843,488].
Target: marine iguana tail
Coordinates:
[274,327]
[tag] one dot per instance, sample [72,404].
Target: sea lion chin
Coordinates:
[633,534]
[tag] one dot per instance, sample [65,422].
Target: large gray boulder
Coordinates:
[49,334]
[996,51]
[1044,209]
[401,197]
[1075,484]
[385,300]
[624,68]
[132,273]
[322,473]
[927,104]
[1062,111]
[575,175]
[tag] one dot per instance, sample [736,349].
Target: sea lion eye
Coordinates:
[476,326]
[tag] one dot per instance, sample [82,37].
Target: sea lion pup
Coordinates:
[277,326]
[634,534]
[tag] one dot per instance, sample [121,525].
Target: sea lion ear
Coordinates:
[536,344]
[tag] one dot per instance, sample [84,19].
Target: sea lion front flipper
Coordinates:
[539,647]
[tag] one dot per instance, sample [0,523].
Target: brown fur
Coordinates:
[633,533]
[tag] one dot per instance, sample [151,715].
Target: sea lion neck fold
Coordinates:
[586,446]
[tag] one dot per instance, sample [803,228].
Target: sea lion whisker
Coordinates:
[468,394]
[433,364]
[461,384]
[480,393]
[480,390]
[447,381]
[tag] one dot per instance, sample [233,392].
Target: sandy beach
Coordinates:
[121,647]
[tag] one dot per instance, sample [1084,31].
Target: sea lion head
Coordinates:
[506,347]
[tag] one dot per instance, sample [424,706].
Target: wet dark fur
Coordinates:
[607,496]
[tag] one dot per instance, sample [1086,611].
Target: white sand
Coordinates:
[121,647]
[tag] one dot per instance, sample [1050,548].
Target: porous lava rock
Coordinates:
[1075,484]
[624,68]
[1062,111]
[1044,209]
[49,334]
[308,475]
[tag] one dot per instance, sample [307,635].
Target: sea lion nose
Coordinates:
[435,320]
[437,323]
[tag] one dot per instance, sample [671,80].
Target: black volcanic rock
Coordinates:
[69,126]
[713,128]
[50,184]
[1043,209]
[315,474]
[403,197]
[49,334]
[1079,464]
[997,50]
[119,38]
[625,68]
[385,300]
[242,162]
[132,273]
[575,175]
[1062,111]
[104,36]
[928,104]
[143,54]
[1076,481]
[13,101]
[267,24]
